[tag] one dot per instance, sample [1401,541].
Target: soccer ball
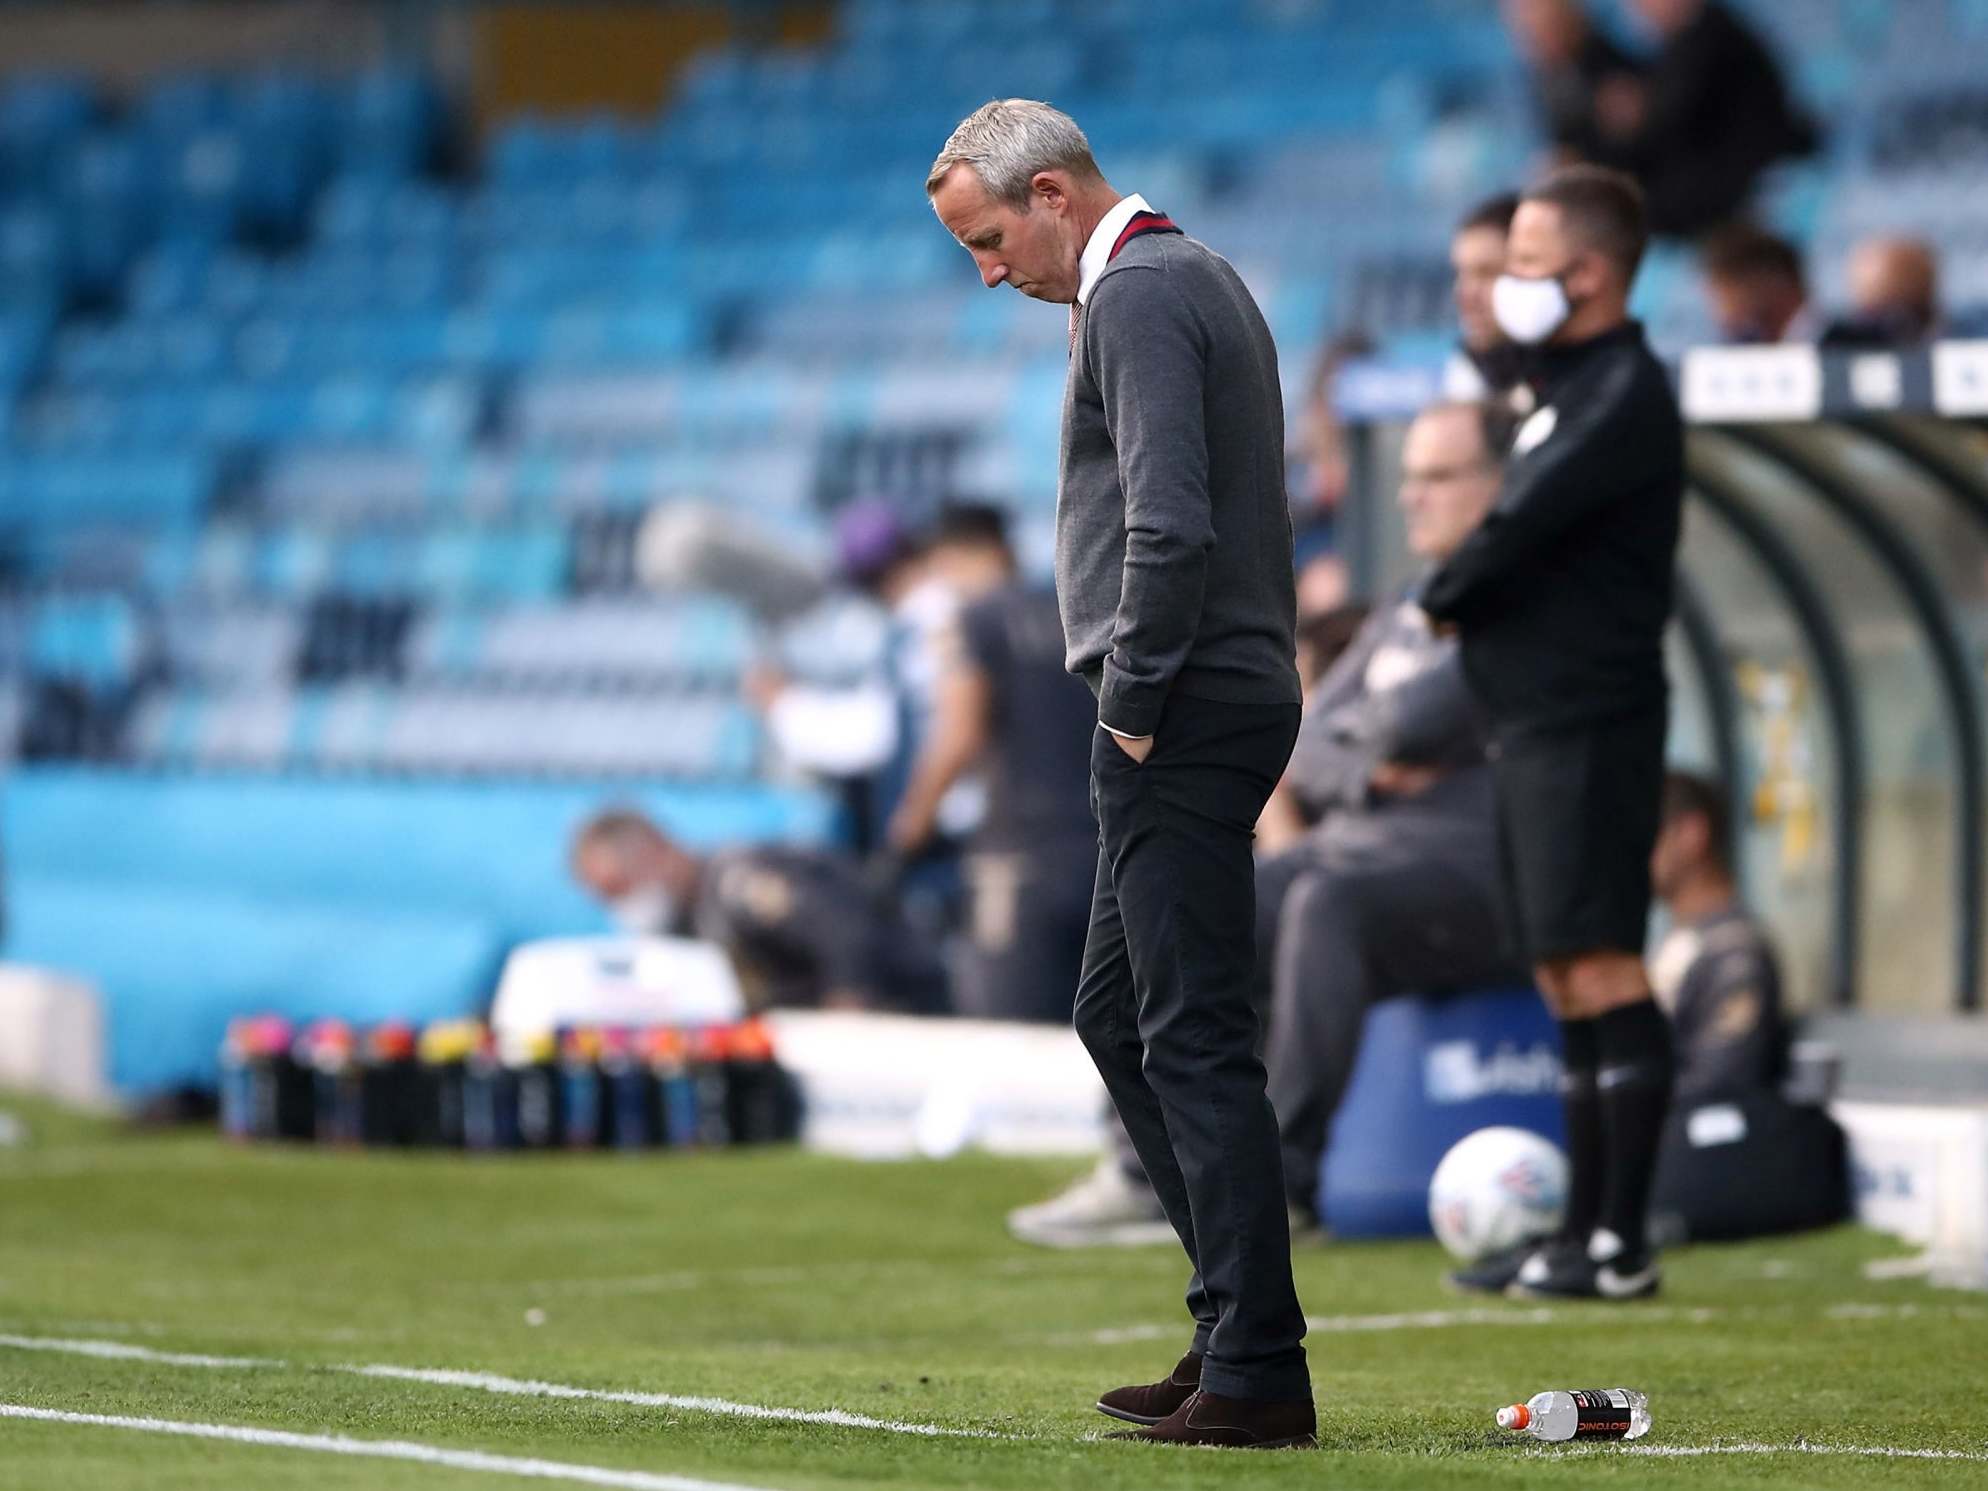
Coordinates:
[1495,1189]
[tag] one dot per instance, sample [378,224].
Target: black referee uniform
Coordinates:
[1561,598]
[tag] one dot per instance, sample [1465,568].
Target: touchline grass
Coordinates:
[175,1312]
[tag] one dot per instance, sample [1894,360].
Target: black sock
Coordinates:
[1580,1055]
[1634,1083]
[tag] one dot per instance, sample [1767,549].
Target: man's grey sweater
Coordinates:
[1173,536]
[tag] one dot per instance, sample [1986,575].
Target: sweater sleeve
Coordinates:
[1148,354]
[1590,453]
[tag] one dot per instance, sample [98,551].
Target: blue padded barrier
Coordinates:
[1430,1071]
[175,965]
[495,850]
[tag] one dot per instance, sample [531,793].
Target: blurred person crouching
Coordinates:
[1006,706]
[1739,1158]
[801,925]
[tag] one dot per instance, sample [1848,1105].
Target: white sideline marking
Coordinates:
[1798,1447]
[124,1351]
[383,1449]
[490,1382]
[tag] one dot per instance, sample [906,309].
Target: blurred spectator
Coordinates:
[1756,286]
[1574,68]
[1738,1159]
[1325,461]
[1485,364]
[1396,889]
[865,735]
[1007,705]
[1322,638]
[1715,972]
[801,925]
[1894,295]
[1698,129]
[1323,585]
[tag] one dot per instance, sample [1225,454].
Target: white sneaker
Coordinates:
[1105,1209]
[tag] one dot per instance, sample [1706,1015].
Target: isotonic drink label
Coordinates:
[1601,1413]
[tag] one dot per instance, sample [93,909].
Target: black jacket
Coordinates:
[1718,115]
[1563,592]
[1565,94]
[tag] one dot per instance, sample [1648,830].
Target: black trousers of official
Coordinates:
[1164,1007]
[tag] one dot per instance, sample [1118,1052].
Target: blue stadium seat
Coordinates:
[93,640]
[40,114]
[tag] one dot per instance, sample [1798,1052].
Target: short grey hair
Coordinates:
[1496,421]
[1006,142]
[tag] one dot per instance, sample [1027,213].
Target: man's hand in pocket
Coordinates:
[1138,747]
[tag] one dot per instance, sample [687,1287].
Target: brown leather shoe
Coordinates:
[1235,1423]
[1156,1400]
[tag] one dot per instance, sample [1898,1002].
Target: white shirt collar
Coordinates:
[1097,252]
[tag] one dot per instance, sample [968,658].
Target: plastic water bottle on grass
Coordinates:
[1594,1413]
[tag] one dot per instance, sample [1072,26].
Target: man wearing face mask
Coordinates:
[1560,598]
[802,927]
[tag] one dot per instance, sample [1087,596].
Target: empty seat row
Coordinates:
[47,490]
[374,727]
[366,407]
[287,348]
[498,483]
[587,640]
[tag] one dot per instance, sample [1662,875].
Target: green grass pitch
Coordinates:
[790,1281]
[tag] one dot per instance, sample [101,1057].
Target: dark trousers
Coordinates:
[1030,914]
[1164,1007]
[1396,918]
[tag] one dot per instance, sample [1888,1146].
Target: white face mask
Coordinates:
[1529,311]
[648,912]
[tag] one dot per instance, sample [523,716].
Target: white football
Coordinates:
[1495,1189]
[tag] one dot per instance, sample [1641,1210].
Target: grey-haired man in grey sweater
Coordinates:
[1173,573]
